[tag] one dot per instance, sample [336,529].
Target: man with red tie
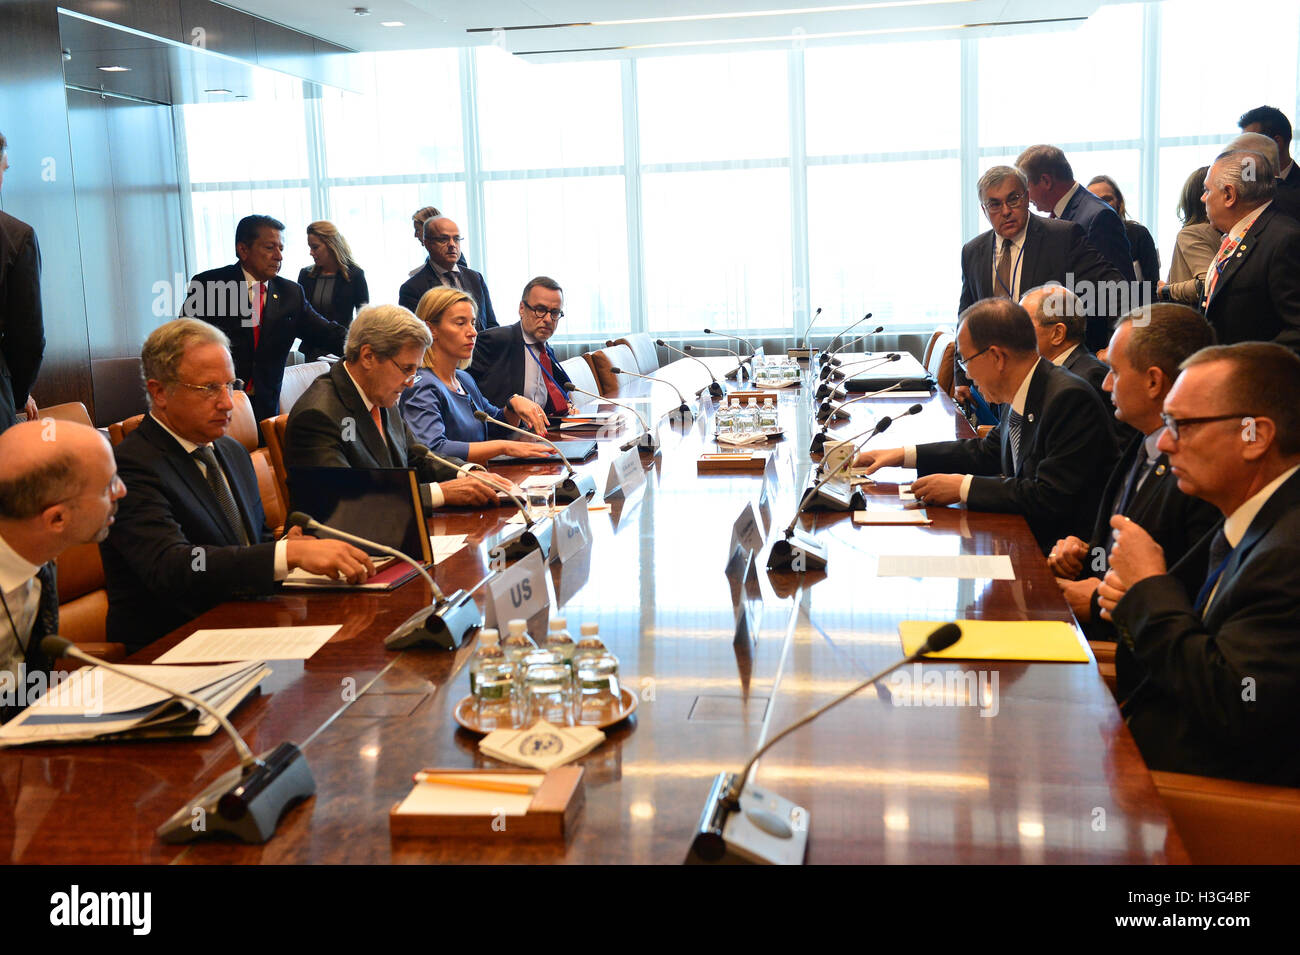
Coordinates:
[516,359]
[260,312]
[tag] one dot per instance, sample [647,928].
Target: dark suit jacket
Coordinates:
[1286,199]
[419,283]
[1257,296]
[1220,696]
[1067,453]
[22,330]
[45,624]
[1105,229]
[1146,255]
[1174,519]
[499,363]
[1093,370]
[330,427]
[349,295]
[170,555]
[221,298]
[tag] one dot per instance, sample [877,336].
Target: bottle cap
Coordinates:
[558,623]
[590,629]
[489,637]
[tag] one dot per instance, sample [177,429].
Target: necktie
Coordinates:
[558,400]
[453,281]
[1220,552]
[221,490]
[378,419]
[1220,259]
[1004,272]
[1015,422]
[257,318]
[1131,482]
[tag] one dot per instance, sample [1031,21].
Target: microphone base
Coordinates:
[647,443]
[800,354]
[716,389]
[764,829]
[247,805]
[516,546]
[574,487]
[818,444]
[442,625]
[836,496]
[798,553]
[825,413]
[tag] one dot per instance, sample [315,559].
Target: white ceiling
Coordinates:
[572,29]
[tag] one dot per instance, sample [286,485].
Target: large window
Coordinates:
[739,190]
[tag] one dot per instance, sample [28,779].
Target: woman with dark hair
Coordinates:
[1146,258]
[335,285]
[1195,248]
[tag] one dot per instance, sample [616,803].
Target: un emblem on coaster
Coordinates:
[541,744]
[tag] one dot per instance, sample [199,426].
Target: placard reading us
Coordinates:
[520,591]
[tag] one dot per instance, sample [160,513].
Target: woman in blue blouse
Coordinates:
[440,406]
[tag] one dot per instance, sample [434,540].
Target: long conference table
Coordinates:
[1048,773]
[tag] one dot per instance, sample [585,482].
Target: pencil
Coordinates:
[465,782]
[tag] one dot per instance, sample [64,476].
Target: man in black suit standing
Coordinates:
[260,312]
[59,488]
[22,330]
[1215,659]
[191,533]
[442,240]
[516,359]
[1252,289]
[1145,352]
[1271,122]
[1050,454]
[347,418]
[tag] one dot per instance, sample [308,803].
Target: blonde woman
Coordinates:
[439,407]
[335,284]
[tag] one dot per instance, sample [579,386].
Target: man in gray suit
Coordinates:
[22,331]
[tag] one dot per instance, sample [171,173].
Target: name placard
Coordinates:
[519,591]
[571,531]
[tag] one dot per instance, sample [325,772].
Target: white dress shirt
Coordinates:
[22,595]
[1059,208]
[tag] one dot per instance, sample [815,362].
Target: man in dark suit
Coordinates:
[22,331]
[192,533]
[516,359]
[442,240]
[59,488]
[1216,661]
[1145,352]
[1050,454]
[1024,251]
[347,417]
[260,312]
[1271,122]
[1253,285]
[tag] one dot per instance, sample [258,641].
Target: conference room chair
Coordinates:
[118,389]
[1226,822]
[644,350]
[83,604]
[941,361]
[273,436]
[929,346]
[579,371]
[243,428]
[604,359]
[297,378]
[118,430]
[68,411]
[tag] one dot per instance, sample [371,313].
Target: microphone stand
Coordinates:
[574,485]
[715,388]
[828,352]
[648,440]
[803,352]
[687,413]
[819,439]
[838,374]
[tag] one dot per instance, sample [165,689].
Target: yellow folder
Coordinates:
[1030,640]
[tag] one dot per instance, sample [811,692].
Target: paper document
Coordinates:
[1037,640]
[905,492]
[966,566]
[890,517]
[444,545]
[430,799]
[250,643]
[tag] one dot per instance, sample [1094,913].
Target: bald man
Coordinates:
[58,488]
[444,267]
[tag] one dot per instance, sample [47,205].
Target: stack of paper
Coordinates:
[95,703]
[543,746]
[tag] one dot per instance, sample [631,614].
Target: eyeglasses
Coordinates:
[963,362]
[1013,201]
[215,391]
[1174,425]
[541,311]
[444,239]
[408,371]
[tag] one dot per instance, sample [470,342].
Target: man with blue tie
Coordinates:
[1215,659]
[442,240]
[516,359]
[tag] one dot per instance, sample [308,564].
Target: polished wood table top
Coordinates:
[1044,771]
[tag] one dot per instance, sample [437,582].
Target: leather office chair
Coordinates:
[118,430]
[643,348]
[244,430]
[273,435]
[941,361]
[602,360]
[929,346]
[579,371]
[118,387]
[297,378]
[1225,822]
[68,411]
[83,605]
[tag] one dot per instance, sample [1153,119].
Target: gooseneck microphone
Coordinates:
[837,412]
[574,485]
[808,332]
[736,338]
[829,349]
[647,440]
[740,361]
[715,388]
[831,386]
[248,800]
[684,408]
[741,824]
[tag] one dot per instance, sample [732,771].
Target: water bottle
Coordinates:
[767,417]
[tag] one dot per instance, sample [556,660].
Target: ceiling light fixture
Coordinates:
[392,23]
[116,69]
[361,11]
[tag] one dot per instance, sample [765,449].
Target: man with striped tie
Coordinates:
[1215,661]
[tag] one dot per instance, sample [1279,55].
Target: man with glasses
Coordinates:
[348,418]
[192,532]
[516,359]
[1050,454]
[260,312]
[1214,657]
[442,240]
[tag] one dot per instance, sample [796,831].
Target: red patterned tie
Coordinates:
[1225,248]
[257,319]
[559,401]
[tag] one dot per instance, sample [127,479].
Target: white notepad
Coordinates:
[966,566]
